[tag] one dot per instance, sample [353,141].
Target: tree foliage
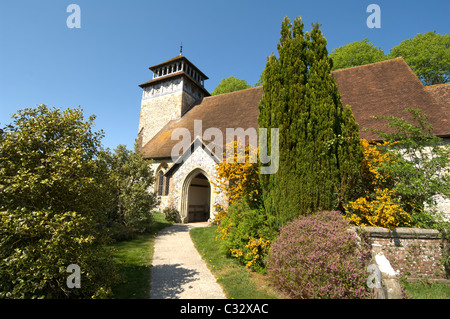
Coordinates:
[132,177]
[49,160]
[319,148]
[230,84]
[421,166]
[53,192]
[355,54]
[36,247]
[428,55]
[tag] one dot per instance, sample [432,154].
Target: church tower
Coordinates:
[176,85]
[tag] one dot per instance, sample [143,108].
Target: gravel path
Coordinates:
[178,271]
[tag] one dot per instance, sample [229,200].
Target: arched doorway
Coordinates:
[199,199]
[196,197]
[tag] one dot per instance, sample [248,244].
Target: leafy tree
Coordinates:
[421,166]
[50,161]
[355,54]
[428,55]
[53,191]
[230,84]
[132,178]
[260,81]
[319,147]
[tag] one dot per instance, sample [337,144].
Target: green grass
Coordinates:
[134,258]
[236,281]
[427,290]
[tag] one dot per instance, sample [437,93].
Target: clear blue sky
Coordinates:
[100,65]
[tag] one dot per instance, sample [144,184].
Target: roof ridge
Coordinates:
[237,91]
[369,64]
[437,85]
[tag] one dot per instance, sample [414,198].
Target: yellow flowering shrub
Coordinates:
[239,180]
[253,251]
[237,229]
[381,211]
[380,207]
[375,155]
[255,248]
[244,233]
[224,229]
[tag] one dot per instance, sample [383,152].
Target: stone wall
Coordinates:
[412,252]
[157,112]
[164,102]
[198,161]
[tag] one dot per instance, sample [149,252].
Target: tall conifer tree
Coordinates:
[319,145]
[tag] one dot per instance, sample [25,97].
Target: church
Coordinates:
[175,98]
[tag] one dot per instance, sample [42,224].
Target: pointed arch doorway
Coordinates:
[196,197]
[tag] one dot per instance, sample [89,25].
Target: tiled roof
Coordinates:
[231,110]
[441,93]
[382,88]
[387,88]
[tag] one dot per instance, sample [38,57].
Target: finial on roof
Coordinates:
[181,48]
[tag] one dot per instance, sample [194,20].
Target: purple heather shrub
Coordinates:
[316,256]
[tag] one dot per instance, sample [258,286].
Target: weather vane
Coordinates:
[181,48]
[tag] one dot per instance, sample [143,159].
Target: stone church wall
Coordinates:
[157,112]
[162,103]
[199,159]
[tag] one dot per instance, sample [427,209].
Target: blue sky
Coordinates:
[100,65]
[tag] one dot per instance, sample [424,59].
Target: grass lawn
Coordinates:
[237,281]
[134,258]
[427,290]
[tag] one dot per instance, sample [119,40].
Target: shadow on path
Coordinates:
[175,229]
[178,271]
[169,279]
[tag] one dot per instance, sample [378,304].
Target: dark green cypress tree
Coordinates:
[319,149]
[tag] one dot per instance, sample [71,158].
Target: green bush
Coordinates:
[246,234]
[420,170]
[171,214]
[54,190]
[36,247]
[131,206]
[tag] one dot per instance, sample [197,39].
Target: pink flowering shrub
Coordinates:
[316,256]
